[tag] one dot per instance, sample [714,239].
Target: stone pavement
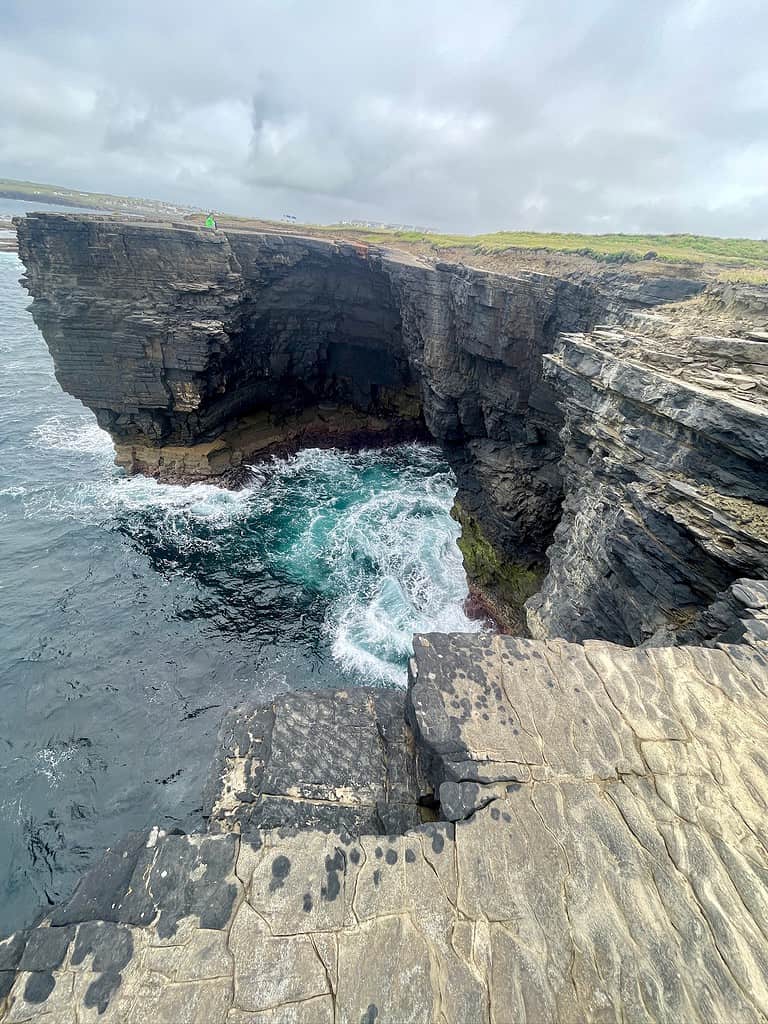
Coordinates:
[342,759]
[606,860]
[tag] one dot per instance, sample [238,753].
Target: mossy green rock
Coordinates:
[506,585]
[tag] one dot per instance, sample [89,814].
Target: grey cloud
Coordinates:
[540,114]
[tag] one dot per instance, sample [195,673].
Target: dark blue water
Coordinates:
[132,614]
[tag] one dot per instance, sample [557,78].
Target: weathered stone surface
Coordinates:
[97,897]
[611,864]
[738,615]
[360,774]
[271,971]
[169,878]
[666,491]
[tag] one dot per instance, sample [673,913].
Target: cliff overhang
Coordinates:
[538,829]
[621,464]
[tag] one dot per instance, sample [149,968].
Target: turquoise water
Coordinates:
[133,614]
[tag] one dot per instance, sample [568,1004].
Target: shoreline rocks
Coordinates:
[602,853]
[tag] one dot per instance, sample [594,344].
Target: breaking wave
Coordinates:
[368,535]
[134,613]
[72,434]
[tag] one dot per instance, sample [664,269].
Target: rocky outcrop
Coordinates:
[737,616]
[666,492]
[357,773]
[201,351]
[604,857]
[600,851]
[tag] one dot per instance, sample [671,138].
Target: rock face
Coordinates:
[202,350]
[666,447]
[605,858]
[738,616]
[199,350]
[600,852]
[358,774]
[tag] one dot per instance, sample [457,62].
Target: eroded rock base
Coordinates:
[607,860]
[260,436]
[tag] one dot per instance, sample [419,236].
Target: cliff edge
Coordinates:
[539,829]
[606,427]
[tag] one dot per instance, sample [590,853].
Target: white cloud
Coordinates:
[539,114]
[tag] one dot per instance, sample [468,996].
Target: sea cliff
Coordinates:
[564,827]
[202,351]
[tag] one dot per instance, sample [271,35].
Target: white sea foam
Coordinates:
[72,434]
[388,562]
[49,759]
[368,532]
[102,500]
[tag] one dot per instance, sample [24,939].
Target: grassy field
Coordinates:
[741,259]
[608,248]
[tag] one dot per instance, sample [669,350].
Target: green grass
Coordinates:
[745,275]
[743,259]
[506,581]
[37,191]
[609,248]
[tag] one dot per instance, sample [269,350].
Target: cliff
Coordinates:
[664,468]
[201,351]
[538,829]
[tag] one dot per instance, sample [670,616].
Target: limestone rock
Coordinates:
[610,863]
[200,351]
[666,492]
[359,774]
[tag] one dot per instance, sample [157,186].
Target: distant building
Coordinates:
[381,226]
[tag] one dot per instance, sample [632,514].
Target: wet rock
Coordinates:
[97,896]
[343,761]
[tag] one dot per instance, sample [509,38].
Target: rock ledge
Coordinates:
[607,858]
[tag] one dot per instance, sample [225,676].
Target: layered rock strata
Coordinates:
[605,859]
[738,616]
[200,350]
[666,488]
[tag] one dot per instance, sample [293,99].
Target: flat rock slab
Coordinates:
[608,862]
[342,760]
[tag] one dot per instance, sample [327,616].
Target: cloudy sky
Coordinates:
[471,115]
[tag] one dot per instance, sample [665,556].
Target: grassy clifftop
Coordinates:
[742,259]
[608,248]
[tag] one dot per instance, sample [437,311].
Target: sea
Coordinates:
[134,614]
